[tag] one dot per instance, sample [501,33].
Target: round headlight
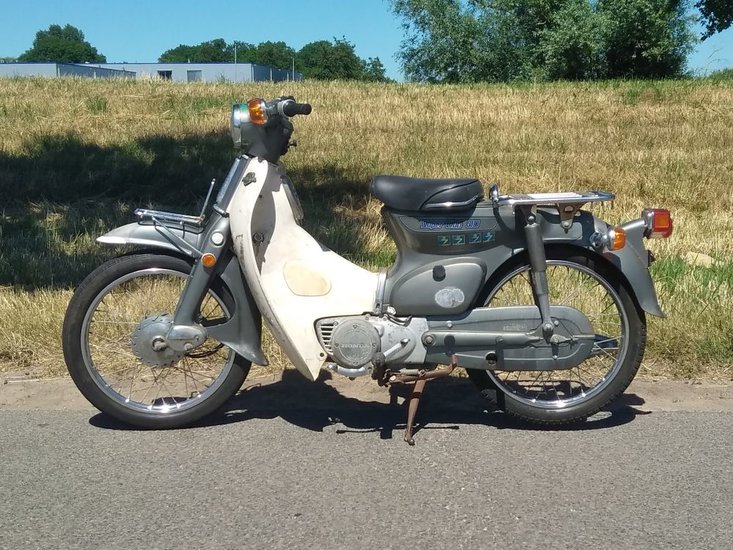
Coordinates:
[240,115]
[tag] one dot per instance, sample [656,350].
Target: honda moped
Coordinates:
[543,303]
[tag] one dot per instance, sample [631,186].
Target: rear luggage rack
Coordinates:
[567,203]
[548,199]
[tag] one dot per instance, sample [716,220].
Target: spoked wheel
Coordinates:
[562,396]
[112,334]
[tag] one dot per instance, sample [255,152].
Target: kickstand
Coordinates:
[417,390]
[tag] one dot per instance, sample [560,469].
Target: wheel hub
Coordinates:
[149,344]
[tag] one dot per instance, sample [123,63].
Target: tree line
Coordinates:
[473,41]
[321,60]
[507,40]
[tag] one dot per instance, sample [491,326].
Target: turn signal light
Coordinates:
[209,260]
[257,111]
[658,223]
[616,238]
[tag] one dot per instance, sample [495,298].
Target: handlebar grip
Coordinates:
[292,108]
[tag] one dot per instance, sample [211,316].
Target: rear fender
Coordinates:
[632,261]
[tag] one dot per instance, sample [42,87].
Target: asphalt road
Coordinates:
[320,470]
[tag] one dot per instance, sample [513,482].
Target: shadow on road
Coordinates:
[446,405]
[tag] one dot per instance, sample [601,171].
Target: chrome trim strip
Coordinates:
[444,205]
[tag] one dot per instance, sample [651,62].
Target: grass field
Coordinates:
[77,156]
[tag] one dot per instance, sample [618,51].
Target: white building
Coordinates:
[179,72]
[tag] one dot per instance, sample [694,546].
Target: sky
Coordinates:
[141,30]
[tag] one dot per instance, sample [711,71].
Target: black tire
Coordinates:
[517,400]
[87,353]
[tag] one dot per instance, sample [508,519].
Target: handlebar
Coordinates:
[291,108]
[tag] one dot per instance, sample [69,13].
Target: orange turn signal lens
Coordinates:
[659,223]
[209,260]
[616,238]
[257,111]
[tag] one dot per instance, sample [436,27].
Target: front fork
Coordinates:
[538,275]
[187,333]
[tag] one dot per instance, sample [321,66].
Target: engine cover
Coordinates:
[354,343]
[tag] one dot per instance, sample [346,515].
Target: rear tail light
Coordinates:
[658,223]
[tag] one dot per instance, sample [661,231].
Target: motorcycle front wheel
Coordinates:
[556,397]
[108,354]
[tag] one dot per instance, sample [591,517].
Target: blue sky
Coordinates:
[140,30]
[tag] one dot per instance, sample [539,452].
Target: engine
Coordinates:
[355,343]
[361,342]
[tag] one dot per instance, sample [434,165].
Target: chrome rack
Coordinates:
[162,221]
[161,217]
[567,203]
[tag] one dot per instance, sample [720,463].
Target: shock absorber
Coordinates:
[538,265]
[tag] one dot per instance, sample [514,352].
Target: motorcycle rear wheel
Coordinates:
[107,315]
[560,397]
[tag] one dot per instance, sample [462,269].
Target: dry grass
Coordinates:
[76,156]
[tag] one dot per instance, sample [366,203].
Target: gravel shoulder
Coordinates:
[288,390]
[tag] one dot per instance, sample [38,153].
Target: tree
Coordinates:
[275,54]
[246,52]
[570,47]
[324,60]
[213,51]
[62,45]
[645,38]
[503,40]
[716,15]
[443,40]
[373,70]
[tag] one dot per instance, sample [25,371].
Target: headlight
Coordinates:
[240,115]
[247,115]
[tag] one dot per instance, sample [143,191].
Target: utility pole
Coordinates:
[235,61]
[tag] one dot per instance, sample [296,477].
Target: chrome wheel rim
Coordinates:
[577,286]
[106,335]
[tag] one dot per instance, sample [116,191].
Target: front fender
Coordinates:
[243,332]
[148,235]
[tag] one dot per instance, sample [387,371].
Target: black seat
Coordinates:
[415,194]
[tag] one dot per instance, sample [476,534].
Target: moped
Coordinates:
[542,303]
